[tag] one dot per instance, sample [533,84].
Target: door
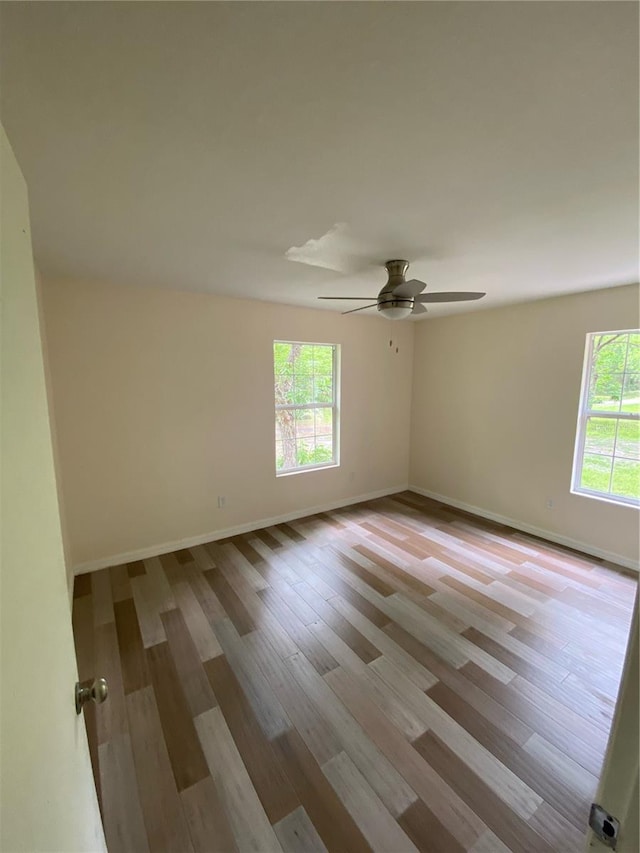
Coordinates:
[618,790]
[48,799]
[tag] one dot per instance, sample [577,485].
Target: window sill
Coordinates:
[307,470]
[609,499]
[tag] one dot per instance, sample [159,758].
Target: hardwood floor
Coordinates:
[394,676]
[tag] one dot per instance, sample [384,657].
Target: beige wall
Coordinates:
[48,796]
[494,408]
[164,400]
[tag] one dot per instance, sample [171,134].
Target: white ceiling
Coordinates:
[190,145]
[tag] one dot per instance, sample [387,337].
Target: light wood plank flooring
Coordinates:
[394,676]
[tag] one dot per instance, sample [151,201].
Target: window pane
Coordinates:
[304,423]
[282,358]
[303,355]
[323,360]
[600,435]
[284,388]
[324,448]
[631,393]
[303,389]
[306,448]
[609,353]
[323,389]
[324,422]
[596,472]
[628,442]
[626,478]
[279,456]
[605,391]
[286,454]
[633,354]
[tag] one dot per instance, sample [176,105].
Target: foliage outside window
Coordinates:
[607,457]
[305,378]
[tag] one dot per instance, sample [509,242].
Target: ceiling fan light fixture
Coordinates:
[396,309]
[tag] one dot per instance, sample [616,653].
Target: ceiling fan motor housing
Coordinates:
[398,307]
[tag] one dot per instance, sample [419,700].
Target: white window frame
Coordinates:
[584,413]
[334,406]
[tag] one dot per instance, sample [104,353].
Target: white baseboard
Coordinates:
[586,548]
[190,542]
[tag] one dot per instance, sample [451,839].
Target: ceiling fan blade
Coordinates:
[453,296]
[356,298]
[353,310]
[410,288]
[418,308]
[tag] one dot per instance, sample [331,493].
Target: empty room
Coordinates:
[320,379]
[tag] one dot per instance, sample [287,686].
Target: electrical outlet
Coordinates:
[222,501]
[550,503]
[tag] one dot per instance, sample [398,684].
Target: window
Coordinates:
[305,378]
[607,457]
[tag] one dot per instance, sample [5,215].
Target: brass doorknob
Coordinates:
[97,692]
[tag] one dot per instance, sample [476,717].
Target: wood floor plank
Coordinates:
[249,822]
[457,650]
[379,772]
[552,729]
[340,626]
[234,555]
[520,661]
[297,834]
[558,833]
[233,606]
[196,621]
[299,632]
[271,784]
[183,556]
[193,678]
[494,811]
[452,812]
[426,831]
[136,568]
[206,818]
[135,672]
[207,599]
[185,753]
[393,704]
[480,701]
[347,590]
[568,798]
[334,824]
[569,773]
[120,584]
[82,585]
[314,729]
[371,579]
[404,661]
[161,806]
[148,608]
[123,821]
[520,798]
[269,540]
[381,831]
[111,716]
[161,586]
[102,598]
[272,717]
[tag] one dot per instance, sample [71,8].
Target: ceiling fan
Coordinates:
[399,298]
